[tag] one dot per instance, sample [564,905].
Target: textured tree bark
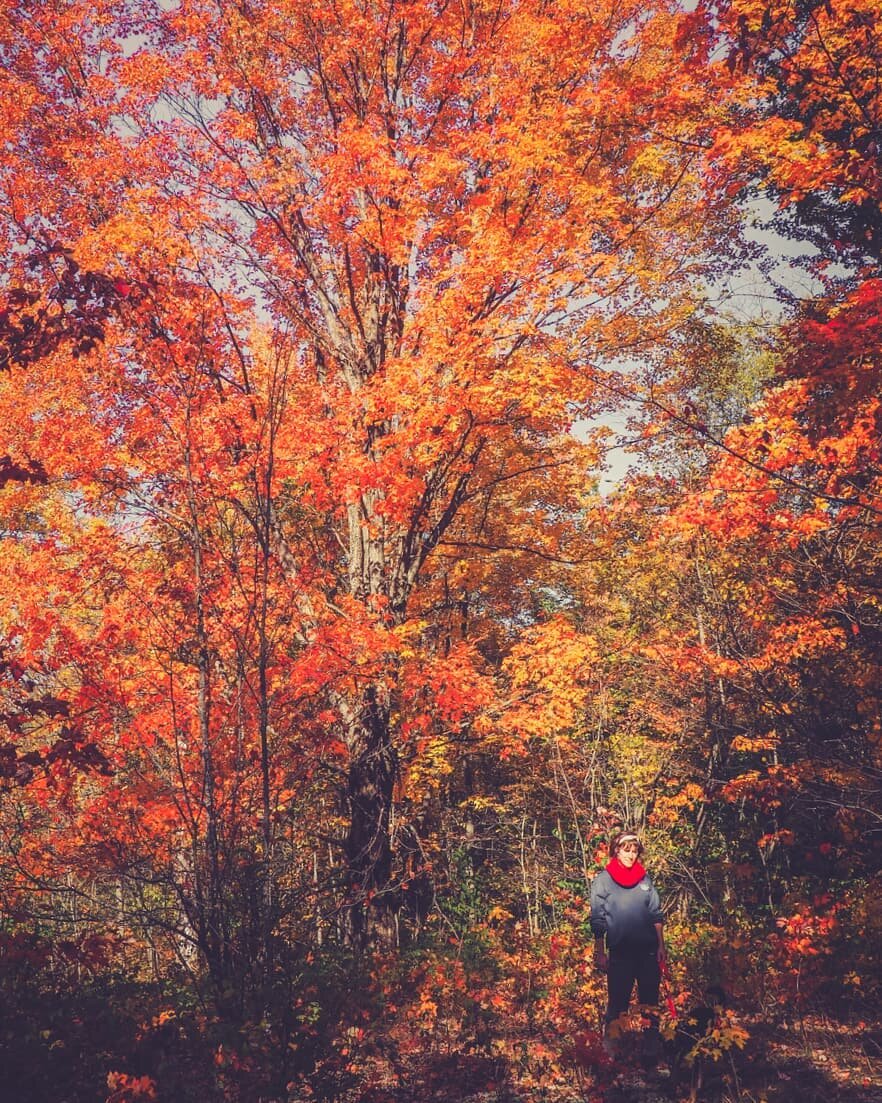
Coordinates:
[369,919]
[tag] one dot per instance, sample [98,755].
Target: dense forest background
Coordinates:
[339,629]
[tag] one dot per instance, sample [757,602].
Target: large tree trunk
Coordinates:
[370,919]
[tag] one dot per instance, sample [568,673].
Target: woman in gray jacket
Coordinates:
[628,927]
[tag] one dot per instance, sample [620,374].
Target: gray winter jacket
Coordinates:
[625,916]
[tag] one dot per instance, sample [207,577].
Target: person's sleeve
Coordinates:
[656,914]
[599,893]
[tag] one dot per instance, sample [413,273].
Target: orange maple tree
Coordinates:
[384,253]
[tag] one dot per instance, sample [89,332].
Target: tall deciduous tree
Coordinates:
[450,216]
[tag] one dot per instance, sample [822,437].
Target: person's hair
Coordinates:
[625,837]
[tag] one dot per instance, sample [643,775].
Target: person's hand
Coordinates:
[601,960]
[662,958]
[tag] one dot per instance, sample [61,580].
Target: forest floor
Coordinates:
[58,1047]
[815,1060]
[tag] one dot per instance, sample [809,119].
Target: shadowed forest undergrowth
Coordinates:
[510,1025]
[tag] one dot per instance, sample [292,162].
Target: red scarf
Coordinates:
[623,876]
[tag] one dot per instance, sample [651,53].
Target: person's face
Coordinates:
[627,854]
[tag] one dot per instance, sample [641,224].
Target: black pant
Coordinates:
[625,967]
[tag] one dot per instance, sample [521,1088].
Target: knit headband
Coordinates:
[627,839]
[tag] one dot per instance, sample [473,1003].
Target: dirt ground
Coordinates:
[815,1060]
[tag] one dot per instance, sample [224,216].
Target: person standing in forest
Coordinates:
[628,927]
